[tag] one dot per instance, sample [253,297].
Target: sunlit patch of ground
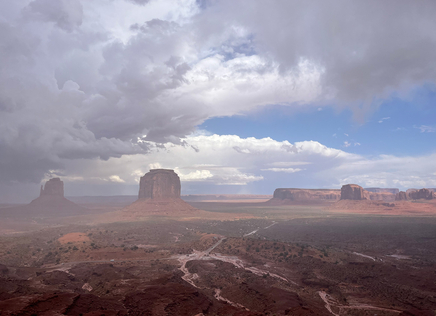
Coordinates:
[74,238]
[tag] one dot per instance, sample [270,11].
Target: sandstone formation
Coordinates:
[50,203]
[306,194]
[159,195]
[160,184]
[387,197]
[421,194]
[401,196]
[348,192]
[352,192]
[357,193]
[54,187]
[383,190]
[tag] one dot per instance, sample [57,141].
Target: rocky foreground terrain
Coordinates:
[308,263]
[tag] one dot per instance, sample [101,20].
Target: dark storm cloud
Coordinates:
[141,2]
[83,80]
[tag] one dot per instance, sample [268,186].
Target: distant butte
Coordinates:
[357,193]
[51,202]
[284,196]
[425,194]
[352,192]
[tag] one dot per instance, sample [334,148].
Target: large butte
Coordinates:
[160,184]
[159,194]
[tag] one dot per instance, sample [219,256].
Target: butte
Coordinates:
[159,195]
[50,203]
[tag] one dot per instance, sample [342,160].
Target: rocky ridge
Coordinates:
[291,195]
[425,194]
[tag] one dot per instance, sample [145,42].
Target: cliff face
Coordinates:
[357,193]
[306,194]
[54,187]
[387,197]
[420,194]
[160,184]
[401,196]
[159,195]
[352,192]
[348,192]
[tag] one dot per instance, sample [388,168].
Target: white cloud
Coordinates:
[195,175]
[288,163]
[216,161]
[155,165]
[384,119]
[426,128]
[287,170]
[347,144]
[389,171]
[115,178]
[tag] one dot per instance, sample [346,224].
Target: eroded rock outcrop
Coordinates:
[352,192]
[401,196]
[159,194]
[306,194]
[50,203]
[160,184]
[425,194]
[387,197]
[54,187]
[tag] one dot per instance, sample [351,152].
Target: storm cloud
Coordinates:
[95,80]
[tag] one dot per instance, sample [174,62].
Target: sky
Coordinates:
[236,96]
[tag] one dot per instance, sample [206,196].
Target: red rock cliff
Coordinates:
[352,192]
[401,196]
[159,184]
[53,187]
[420,194]
[306,194]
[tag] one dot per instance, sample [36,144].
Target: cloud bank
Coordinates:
[85,82]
